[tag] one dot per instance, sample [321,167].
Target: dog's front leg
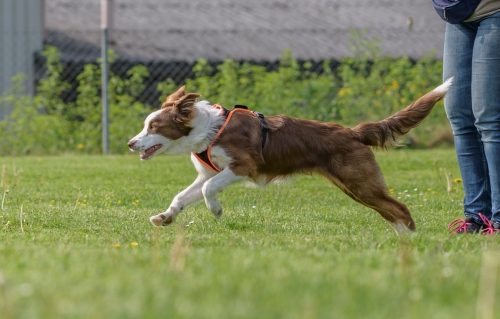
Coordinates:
[190,195]
[215,185]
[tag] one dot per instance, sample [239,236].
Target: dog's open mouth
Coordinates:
[150,151]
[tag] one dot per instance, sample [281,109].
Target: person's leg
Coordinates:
[457,62]
[485,92]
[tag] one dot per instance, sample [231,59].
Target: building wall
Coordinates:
[20,36]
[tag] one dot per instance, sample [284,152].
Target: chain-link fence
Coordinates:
[159,71]
[168,36]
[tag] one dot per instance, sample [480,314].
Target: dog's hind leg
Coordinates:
[362,179]
[215,185]
[192,194]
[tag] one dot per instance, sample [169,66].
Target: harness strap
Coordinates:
[205,158]
[265,128]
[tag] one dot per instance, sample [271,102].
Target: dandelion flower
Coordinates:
[117,245]
[457,180]
[134,244]
[344,91]
[80,146]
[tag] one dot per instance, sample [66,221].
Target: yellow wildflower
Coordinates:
[344,91]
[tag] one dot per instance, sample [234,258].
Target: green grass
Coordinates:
[301,249]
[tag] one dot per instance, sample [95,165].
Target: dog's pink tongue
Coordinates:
[150,150]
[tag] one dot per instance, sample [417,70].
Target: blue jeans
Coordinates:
[472,56]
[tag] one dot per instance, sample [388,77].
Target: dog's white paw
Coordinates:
[215,207]
[161,220]
[218,213]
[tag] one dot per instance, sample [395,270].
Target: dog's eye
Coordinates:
[152,126]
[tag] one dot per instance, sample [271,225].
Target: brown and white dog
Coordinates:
[340,154]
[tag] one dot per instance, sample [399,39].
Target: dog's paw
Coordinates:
[217,213]
[216,210]
[215,207]
[161,220]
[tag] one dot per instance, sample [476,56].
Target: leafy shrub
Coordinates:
[125,112]
[26,130]
[364,88]
[46,125]
[285,91]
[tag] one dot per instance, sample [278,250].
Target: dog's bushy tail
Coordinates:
[388,132]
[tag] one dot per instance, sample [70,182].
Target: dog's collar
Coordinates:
[204,157]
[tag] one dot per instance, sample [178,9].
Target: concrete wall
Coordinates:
[20,36]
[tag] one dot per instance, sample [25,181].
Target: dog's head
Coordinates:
[165,126]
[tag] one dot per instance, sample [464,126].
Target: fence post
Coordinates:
[104,74]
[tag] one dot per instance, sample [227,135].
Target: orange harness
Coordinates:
[204,157]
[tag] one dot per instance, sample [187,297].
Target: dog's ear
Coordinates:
[174,97]
[185,106]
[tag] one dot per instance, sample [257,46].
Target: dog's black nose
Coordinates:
[131,144]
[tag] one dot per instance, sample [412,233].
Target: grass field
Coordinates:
[84,247]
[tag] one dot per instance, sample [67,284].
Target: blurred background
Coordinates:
[169,36]
[345,61]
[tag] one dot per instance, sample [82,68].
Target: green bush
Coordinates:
[46,125]
[125,112]
[285,91]
[364,88]
[27,130]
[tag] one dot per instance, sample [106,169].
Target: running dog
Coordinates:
[229,146]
